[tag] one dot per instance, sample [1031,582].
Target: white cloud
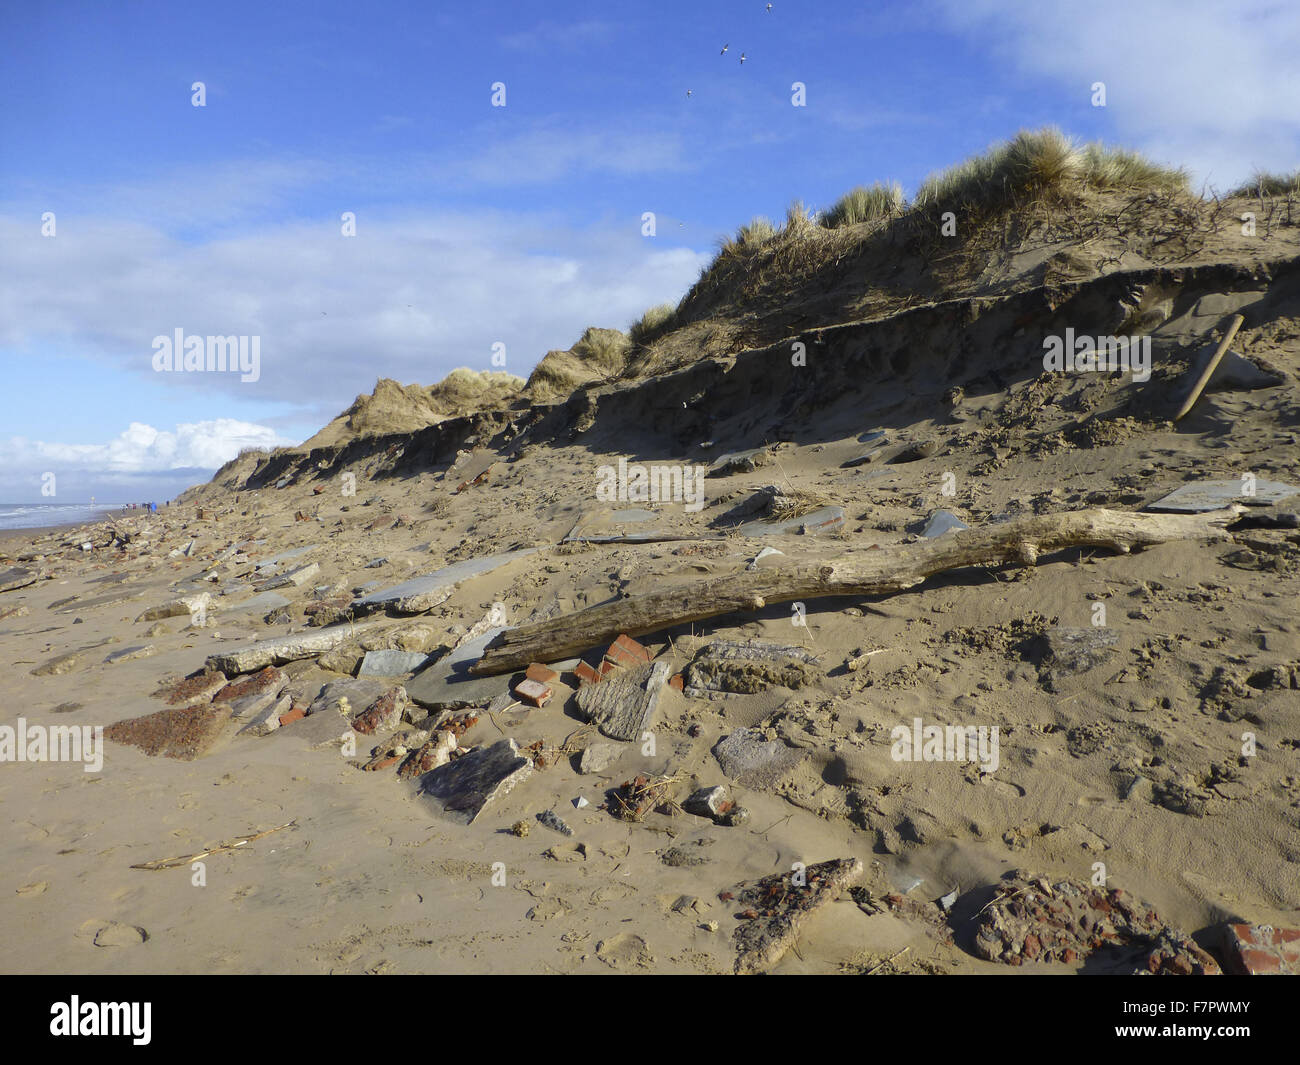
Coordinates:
[142,449]
[1192,82]
[411,296]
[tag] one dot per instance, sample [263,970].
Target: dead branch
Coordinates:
[873,571]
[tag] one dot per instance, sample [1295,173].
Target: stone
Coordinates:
[268,565]
[1201,496]
[598,757]
[194,606]
[391,663]
[552,820]
[767,552]
[384,714]
[461,789]
[777,907]
[358,691]
[294,578]
[624,704]
[57,666]
[269,679]
[261,604]
[284,649]
[325,728]
[267,720]
[748,759]
[448,683]
[728,667]
[419,594]
[194,690]
[1067,652]
[942,521]
[923,449]
[130,654]
[739,462]
[712,802]
[822,520]
[1261,950]
[431,754]
[17,577]
[184,733]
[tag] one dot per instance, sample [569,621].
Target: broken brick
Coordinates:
[625,651]
[296,714]
[533,692]
[1261,950]
[542,674]
[675,681]
[586,674]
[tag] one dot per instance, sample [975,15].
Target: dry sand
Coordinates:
[1136,763]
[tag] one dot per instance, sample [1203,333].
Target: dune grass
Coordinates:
[1266,184]
[866,203]
[655,322]
[1038,163]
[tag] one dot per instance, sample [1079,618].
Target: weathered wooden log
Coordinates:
[870,571]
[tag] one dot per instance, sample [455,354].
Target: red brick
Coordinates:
[606,668]
[533,692]
[586,674]
[542,674]
[633,648]
[384,764]
[675,681]
[1261,950]
[619,656]
[296,714]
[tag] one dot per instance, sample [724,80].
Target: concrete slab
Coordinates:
[461,789]
[391,663]
[422,593]
[1199,496]
[823,520]
[942,521]
[448,683]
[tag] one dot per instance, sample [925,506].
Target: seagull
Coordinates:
[742,59]
[688,92]
[769,8]
[724,49]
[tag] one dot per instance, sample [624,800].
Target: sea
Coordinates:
[41,515]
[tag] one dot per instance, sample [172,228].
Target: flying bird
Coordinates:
[688,92]
[724,49]
[742,59]
[769,7]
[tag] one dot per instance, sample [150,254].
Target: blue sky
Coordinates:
[478,224]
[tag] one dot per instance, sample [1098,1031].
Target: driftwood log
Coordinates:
[873,571]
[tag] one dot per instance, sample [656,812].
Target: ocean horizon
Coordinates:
[43,515]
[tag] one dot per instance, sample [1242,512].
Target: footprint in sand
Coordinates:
[117,934]
[625,951]
[38,888]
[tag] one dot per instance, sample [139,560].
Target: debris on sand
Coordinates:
[1032,918]
[749,759]
[776,908]
[726,667]
[623,705]
[461,789]
[635,798]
